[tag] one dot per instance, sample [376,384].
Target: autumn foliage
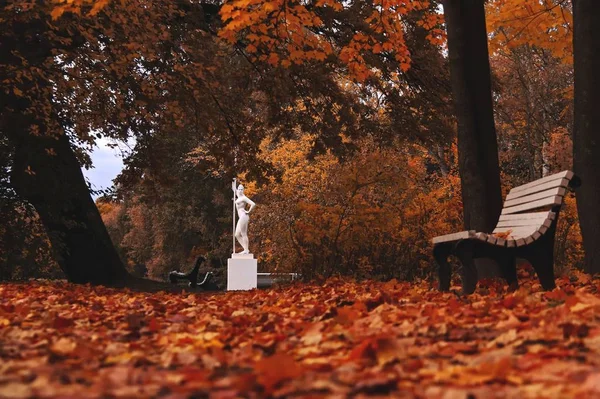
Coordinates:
[339,338]
[286,32]
[328,217]
[544,24]
[337,116]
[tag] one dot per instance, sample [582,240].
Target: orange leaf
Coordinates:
[275,369]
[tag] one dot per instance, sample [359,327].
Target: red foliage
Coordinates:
[340,338]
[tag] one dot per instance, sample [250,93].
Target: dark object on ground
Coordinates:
[519,233]
[207,282]
[267,280]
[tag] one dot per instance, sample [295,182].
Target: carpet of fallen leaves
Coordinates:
[337,339]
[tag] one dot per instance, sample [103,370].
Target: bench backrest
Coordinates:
[544,192]
[519,220]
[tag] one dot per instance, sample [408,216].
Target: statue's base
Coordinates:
[241,272]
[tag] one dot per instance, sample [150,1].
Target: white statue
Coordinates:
[241,229]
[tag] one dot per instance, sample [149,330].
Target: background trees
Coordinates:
[173,184]
[75,79]
[357,92]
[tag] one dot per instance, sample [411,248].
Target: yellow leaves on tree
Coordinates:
[266,23]
[546,24]
[76,6]
[286,32]
[369,215]
[297,32]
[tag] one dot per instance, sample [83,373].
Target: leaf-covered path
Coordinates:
[340,339]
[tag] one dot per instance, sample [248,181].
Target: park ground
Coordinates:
[337,339]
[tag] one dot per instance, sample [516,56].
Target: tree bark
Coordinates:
[586,139]
[46,173]
[471,87]
[55,186]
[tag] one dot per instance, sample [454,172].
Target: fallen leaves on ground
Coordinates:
[337,339]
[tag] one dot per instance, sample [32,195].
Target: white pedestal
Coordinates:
[241,272]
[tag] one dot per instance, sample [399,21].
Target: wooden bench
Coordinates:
[525,230]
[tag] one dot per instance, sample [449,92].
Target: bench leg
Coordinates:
[508,266]
[440,254]
[542,260]
[464,252]
[192,276]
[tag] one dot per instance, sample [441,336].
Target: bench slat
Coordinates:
[550,201]
[531,238]
[530,215]
[492,239]
[525,237]
[482,236]
[566,174]
[537,196]
[454,236]
[528,222]
[536,189]
[519,232]
[517,223]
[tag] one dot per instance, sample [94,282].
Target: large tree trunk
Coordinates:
[471,86]
[55,186]
[46,172]
[586,137]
